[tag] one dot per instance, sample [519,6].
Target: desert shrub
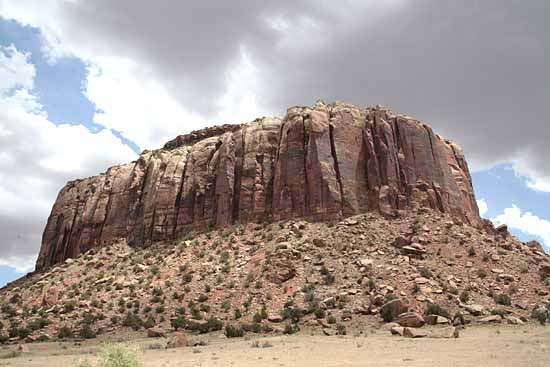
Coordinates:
[87,333]
[132,320]
[112,355]
[341,329]
[4,339]
[290,329]
[471,251]
[503,299]
[212,324]
[386,314]
[464,296]
[435,309]
[319,313]
[481,273]
[331,319]
[232,331]
[69,306]
[64,333]
[371,284]
[178,323]
[150,322]
[425,272]
[38,324]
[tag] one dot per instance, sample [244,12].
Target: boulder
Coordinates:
[475,310]
[394,308]
[490,319]
[155,333]
[275,318]
[397,330]
[177,340]
[444,333]
[410,319]
[401,241]
[411,332]
[436,320]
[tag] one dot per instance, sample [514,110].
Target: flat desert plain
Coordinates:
[500,346]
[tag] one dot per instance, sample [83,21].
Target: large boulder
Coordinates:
[411,332]
[444,333]
[392,309]
[410,319]
[177,340]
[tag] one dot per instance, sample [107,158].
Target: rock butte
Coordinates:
[320,163]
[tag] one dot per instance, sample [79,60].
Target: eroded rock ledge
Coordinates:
[320,163]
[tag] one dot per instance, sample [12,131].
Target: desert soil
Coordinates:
[477,346]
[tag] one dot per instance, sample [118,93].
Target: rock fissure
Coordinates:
[316,163]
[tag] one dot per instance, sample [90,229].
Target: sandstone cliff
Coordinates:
[320,163]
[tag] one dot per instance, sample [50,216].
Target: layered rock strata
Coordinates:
[320,163]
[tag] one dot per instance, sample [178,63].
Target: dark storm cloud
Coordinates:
[475,70]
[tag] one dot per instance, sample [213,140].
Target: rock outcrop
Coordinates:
[320,163]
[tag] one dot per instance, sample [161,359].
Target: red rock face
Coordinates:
[320,163]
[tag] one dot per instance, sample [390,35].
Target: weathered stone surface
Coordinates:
[444,333]
[411,332]
[321,162]
[178,340]
[436,320]
[396,307]
[155,333]
[410,319]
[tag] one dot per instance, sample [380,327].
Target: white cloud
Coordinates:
[132,101]
[483,207]
[14,70]
[525,222]
[37,157]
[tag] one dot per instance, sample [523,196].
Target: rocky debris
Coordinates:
[275,318]
[410,332]
[401,242]
[321,163]
[474,309]
[512,320]
[436,320]
[444,333]
[225,277]
[156,333]
[410,319]
[490,319]
[415,249]
[394,308]
[397,330]
[178,340]
[535,245]
[502,230]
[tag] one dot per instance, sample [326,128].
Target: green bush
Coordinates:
[87,333]
[386,314]
[64,333]
[331,320]
[464,296]
[118,356]
[435,309]
[132,320]
[178,323]
[150,322]
[425,272]
[503,299]
[341,329]
[232,331]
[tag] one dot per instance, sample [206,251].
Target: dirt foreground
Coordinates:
[477,346]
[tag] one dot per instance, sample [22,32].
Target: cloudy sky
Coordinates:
[87,84]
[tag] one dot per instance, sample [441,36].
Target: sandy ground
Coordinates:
[477,346]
